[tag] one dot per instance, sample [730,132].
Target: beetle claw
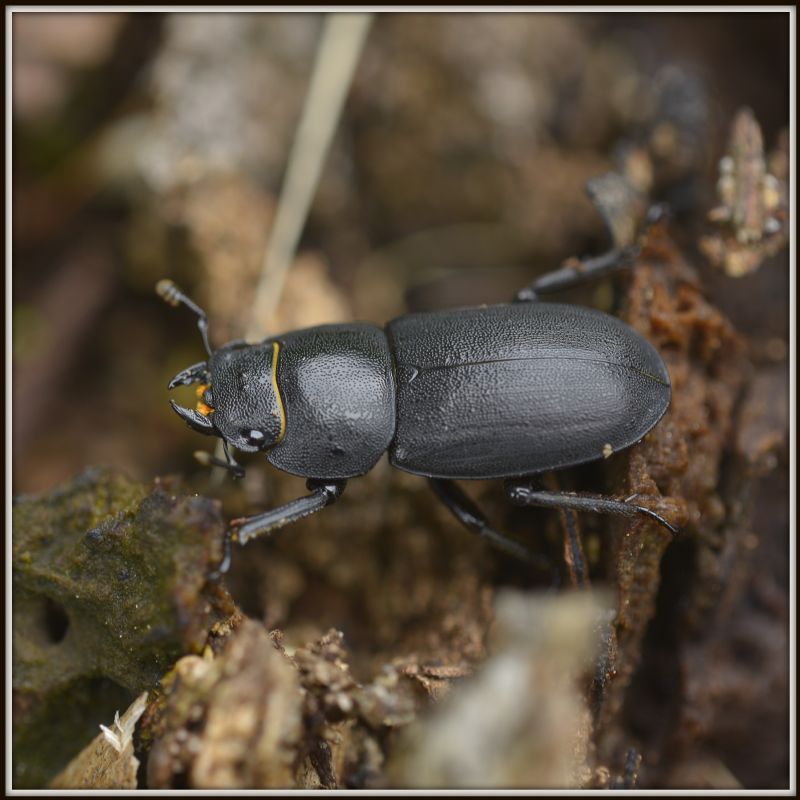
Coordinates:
[193,419]
[197,373]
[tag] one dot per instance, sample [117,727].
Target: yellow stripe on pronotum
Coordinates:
[201,407]
[276,348]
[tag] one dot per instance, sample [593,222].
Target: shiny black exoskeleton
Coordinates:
[506,391]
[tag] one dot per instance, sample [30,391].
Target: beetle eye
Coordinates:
[254,438]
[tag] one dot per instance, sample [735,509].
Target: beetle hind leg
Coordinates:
[469,515]
[576,271]
[523,494]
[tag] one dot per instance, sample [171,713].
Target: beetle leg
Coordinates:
[573,550]
[577,271]
[209,460]
[469,515]
[323,493]
[574,556]
[232,464]
[524,495]
[225,562]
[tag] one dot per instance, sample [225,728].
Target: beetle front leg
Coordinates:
[469,515]
[524,494]
[242,530]
[323,493]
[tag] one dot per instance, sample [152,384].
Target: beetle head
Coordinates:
[237,393]
[238,397]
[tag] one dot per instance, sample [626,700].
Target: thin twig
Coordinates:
[340,46]
[339,50]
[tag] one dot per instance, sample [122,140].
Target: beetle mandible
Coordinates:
[504,391]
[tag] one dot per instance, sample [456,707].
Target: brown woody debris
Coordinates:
[108,761]
[257,716]
[679,462]
[231,721]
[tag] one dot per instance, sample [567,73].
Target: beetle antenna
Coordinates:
[170,293]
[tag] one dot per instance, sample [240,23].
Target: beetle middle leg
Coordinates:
[523,494]
[469,515]
[242,530]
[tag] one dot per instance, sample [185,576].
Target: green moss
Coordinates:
[109,588]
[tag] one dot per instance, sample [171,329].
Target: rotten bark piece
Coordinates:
[735,628]
[680,460]
[435,680]
[257,716]
[332,692]
[108,761]
[762,437]
[233,721]
[109,588]
[736,670]
[343,718]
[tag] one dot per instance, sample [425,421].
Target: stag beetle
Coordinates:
[505,391]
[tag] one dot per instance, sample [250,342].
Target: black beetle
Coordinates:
[506,391]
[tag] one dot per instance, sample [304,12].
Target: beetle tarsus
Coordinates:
[524,495]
